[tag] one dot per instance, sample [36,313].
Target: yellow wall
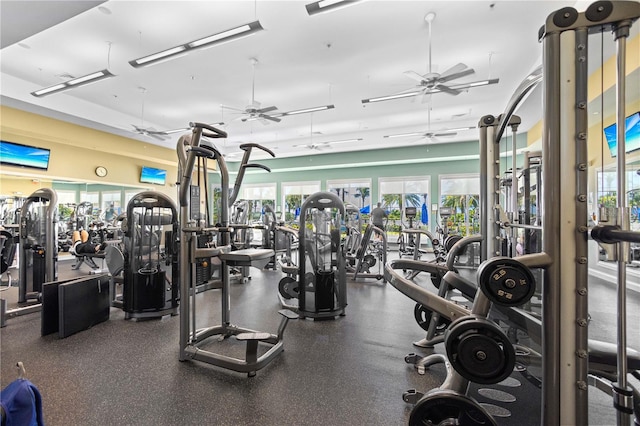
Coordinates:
[76,151]
[598,84]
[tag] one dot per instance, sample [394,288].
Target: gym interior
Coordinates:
[440,247]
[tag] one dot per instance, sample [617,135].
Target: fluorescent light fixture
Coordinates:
[158,56]
[461,129]
[306,110]
[482,83]
[343,141]
[74,82]
[402,135]
[390,97]
[327,5]
[228,35]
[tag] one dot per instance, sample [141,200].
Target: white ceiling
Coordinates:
[338,58]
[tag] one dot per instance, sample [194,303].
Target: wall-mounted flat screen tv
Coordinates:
[151,175]
[632,134]
[15,154]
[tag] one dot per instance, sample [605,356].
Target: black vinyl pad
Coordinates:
[82,303]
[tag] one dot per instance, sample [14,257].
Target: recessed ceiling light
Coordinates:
[24,45]
[104,10]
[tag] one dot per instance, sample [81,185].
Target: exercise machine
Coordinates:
[151,273]
[37,252]
[322,274]
[38,243]
[190,148]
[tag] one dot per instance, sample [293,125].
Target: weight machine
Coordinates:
[37,251]
[151,276]
[563,259]
[200,241]
[322,277]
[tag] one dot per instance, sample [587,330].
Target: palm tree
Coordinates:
[363,194]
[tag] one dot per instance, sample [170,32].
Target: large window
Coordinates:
[398,193]
[258,195]
[607,189]
[356,192]
[461,195]
[111,207]
[293,195]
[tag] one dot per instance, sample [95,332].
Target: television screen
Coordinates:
[151,175]
[632,134]
[14,154]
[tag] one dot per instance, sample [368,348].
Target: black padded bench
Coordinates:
[258,258]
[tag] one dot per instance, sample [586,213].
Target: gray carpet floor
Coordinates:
[348,371]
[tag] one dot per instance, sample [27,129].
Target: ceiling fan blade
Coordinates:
[267,109]
[156,136]
[456,75]
[414,75]
[449,90]
[232,108]
[268,117]
[454,69]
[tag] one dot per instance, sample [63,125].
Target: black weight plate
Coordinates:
[450,241]
[370,260]
[288,287]
[468,335]
[423,318]
[446,407]
[481,355]
[506,281]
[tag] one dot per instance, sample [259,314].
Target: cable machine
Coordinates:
[151,278]
[38,243]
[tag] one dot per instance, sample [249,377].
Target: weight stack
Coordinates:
[325,291]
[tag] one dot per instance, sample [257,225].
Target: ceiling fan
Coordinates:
[151,132]
[433,82]
[432,136]
[147,131]
[254,110]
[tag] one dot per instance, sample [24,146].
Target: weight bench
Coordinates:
[88,259]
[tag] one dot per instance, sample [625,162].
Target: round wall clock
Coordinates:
[101,171]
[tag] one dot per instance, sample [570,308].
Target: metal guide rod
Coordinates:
[484,183]
[621,391]
[514,188]
[551,410]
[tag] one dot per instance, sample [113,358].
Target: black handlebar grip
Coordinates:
[217,133]
[205,152]
[246,146]
[257,166]
[602,234]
